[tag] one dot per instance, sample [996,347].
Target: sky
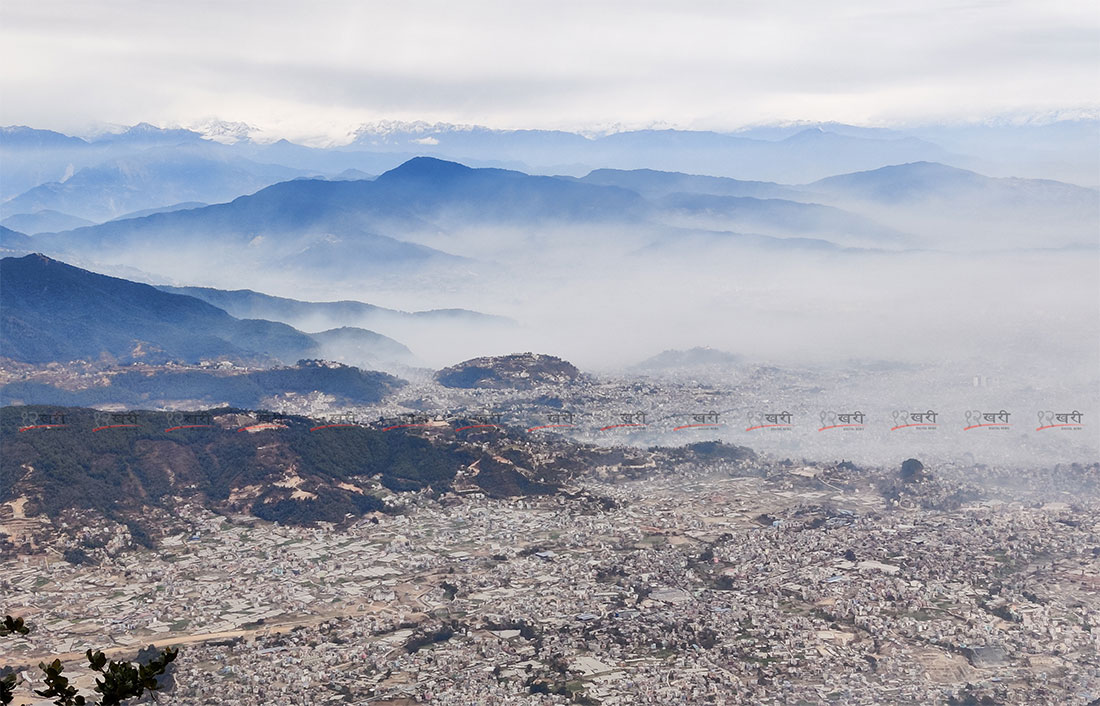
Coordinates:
[318,69]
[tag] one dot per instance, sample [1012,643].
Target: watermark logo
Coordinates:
[770,420]
[340,420]
[849,421]
[114,420]
[188,420]
[701,420]
[266,420]
[405,421]
[558,419]
[487,420]
[1069,421]
[628,420]
[976,419]
[43,420]
[904,419]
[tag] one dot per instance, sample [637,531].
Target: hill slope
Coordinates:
[521,371]
[53,311]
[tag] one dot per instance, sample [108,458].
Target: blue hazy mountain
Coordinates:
[311,316]
[184,206]
[809,152]
[650,182]
[763,208]
[424,331]
[784,130]
[918,181]
[805,155]
[145,135]
[51,311]
[1066,150]
[326,161]
[339,324]
[13,241]
[23,138]
[304,222]
[792,153]
[362,347]
[152,178]
[694,359]
[353,174]
[44,221]
[31,157]
[432,187]
[521,148]
[939,198]
[777,217]
[343,227]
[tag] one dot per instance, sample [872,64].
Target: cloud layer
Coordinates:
[303,69]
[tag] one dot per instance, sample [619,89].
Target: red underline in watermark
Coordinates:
[478,426]
[261,426]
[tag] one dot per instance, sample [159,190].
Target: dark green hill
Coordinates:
[520,371]
[244,389]
[119,472]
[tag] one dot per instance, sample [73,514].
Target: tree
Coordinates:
[913,470]
[120,682]
[11,626]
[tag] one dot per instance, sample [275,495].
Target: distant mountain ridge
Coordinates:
[694,358]
[153,178]
[245,303]
[651,182]
[423,330]
[342,228]
[796,152]
[811,150]
[426,214]
[44,221]
[14,241]
[917,180]
[1011,212]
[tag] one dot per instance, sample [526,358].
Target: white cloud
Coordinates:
[319,69]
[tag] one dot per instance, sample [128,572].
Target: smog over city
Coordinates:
[549,353]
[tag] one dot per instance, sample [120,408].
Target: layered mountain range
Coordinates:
[429,215]
[52,311]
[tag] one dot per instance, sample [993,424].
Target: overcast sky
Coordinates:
[320,68]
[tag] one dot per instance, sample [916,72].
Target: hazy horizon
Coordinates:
[299,73]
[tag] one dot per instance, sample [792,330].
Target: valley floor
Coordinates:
[705,586]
